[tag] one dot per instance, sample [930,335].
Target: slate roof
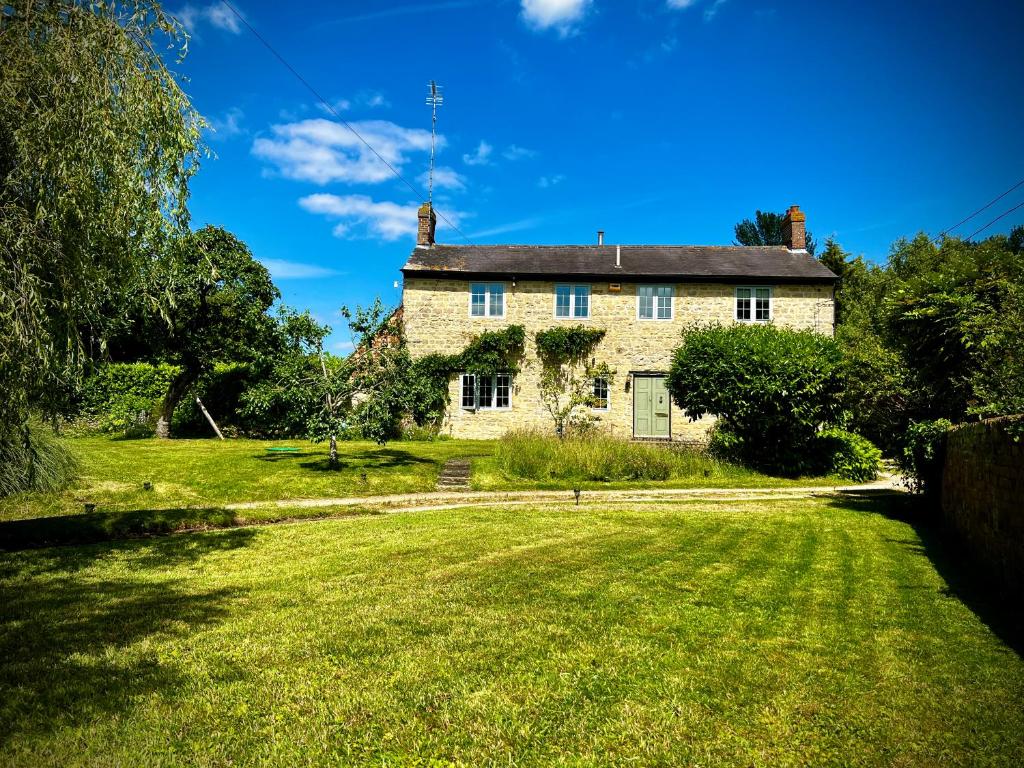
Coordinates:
[729,263]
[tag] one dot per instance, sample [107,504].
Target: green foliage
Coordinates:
[771,387]
[282,396]
[97,145]
[567,344]
[933,334]
[492,352]
[124,397]
[766,229]
[596,457]
[567,376]
[428,387]
[488,353]
[214,308]
[35,460]
[878,387]
[847,455]
[923,455]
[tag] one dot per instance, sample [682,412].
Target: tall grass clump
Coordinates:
[35,460]
[595,456]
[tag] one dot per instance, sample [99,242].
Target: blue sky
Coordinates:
[659,121]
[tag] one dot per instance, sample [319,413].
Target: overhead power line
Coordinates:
[987,205]
[334,112]
[997,218]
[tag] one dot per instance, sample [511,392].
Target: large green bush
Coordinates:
[123,397]
[847,455]
[772,388]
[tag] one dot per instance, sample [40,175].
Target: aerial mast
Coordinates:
[434,100]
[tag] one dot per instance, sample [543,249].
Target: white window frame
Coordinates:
[572,301]
[654,302]
[492,405]
[608,394]
[488,285]
[753,303]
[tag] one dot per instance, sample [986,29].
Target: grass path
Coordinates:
[763,632]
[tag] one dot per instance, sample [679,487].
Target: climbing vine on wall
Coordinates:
[562,344]
[486,354]
[567,376]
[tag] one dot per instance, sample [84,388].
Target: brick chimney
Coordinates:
[794,229]
[427,224]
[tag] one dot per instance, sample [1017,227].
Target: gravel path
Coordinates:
[449,499]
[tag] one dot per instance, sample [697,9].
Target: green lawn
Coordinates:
[198,473]
[743,633]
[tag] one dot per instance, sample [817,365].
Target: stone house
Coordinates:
[642,296]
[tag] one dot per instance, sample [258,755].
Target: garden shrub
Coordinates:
[923,455]
[772,388]
[847,455]
[122,397]
[35,460]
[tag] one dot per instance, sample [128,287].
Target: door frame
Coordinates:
[633,375]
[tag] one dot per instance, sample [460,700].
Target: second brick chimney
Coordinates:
[427,225]
[794,229]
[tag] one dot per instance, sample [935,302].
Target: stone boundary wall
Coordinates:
[983,494]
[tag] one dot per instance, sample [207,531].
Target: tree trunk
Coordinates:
[333,458]
[175,391]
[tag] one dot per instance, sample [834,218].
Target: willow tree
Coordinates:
[97,145]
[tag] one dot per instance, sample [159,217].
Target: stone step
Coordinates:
[454,474]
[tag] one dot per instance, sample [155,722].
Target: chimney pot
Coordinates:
[426,225]
[600,237]
[794,229]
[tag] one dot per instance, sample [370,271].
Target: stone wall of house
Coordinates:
[437,319]
[982,492]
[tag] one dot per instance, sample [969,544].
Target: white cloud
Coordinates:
[217,14]
[482,155]
[680,4]
[324,151]
[282,269]
[359,216]
[549,181]
[515,152]
[227,124]
[444,178]
[387,220]
[711,11]
[560,15]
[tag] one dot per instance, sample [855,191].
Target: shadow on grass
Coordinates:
[966,578]
[104,526]
[382,458]
[67,639]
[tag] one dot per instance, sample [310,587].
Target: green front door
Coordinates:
[650,407]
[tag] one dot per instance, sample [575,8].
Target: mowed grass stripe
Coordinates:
[760,633]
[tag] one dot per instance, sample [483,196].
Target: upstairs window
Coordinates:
[654,302]
[754,305]
[572,301]
[487,300]
[486,392]
[600,402]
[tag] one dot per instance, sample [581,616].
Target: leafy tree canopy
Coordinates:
[766,229]
[212,304]
[97,145]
